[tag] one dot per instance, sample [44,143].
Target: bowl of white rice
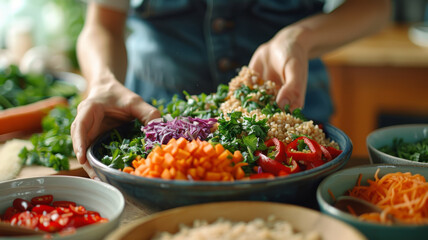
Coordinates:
[237,220]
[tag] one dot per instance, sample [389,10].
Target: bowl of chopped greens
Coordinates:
[235,144]
[400,144]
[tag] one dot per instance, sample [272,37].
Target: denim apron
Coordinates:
[194,45]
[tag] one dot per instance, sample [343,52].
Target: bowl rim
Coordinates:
[331,210]
[108,187]
[389,128]
[319,171]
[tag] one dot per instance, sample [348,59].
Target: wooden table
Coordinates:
[385,74]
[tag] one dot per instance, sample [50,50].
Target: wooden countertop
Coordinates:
[390,47]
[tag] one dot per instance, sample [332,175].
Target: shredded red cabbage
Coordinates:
[160,132]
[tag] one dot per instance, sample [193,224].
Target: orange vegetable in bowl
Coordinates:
[190,160]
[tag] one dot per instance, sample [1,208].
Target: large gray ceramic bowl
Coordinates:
[158,194]
[410,133]
[340,182]
[93,195]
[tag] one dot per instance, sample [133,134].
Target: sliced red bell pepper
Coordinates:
[294,166]
[333,152]
[269,165]
[276,168]
[314,155]
[280,155]
[326,156]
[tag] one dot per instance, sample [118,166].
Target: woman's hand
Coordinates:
[285,61]
[106,106]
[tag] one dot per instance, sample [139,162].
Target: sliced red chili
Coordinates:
[45,199]
[279,150]
[80,210]
[42,209]
[22,204]
[314,153]
[25,219]
[91,217]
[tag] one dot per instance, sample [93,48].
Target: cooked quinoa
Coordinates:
[223,229]
[281,125]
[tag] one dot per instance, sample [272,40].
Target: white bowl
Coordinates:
[93,195]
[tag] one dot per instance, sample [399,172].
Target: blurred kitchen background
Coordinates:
[378,81]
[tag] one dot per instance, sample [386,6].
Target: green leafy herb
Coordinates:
[201,106]
[122,150]
[17,89]
[53,147]
[245,134]
[417,151]
[265,102]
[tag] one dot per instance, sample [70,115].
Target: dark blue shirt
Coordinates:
[194,45]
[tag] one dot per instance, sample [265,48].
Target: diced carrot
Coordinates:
[207,165]
[181,143]
[225,155]
[173,172]
[213,176]
[200,171]
[237,157]
[239,173]
[128,169]
[169,159]
[219,149]
[192,172]
[191,147]
[180,176]
[166,174]
[157,158]
[196,159]
[209,150]
[182,154]
[154,174]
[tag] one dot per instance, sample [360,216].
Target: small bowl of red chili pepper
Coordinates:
[60,207]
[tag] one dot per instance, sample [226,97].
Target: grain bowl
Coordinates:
[159,194]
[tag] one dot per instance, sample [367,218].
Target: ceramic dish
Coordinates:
[410,133]
[302,219]
[346,179]
[159,194]
[93,195]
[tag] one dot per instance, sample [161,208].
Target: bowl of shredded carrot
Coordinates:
[400,191]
